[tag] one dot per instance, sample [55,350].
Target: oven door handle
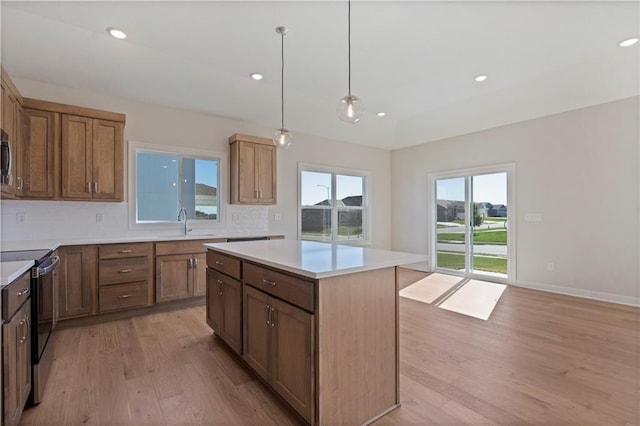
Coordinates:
[49,265]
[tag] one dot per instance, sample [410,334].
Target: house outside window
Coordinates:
[166,182]
[333,204]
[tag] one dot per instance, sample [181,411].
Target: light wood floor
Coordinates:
[540,359]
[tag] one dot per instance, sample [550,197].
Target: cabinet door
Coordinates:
[24,356]
[107,160]
[232,313]
[76,156]
[40,142]
[174,277]
[292,356]
[76,279]
[265,175]
[247,191]
[257,329]
[214,301]
[16,364]
[199,274]
[9,104]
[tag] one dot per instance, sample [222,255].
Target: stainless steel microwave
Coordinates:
[5,161]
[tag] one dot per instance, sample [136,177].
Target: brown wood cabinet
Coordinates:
[12,124]
[253,170]
[77,279]
[181,269]
[124,276]
[16,350]
[92,158]
[224,308]
[39,155]
[278,345]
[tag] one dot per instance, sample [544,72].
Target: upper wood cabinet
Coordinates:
[39,154]
[92,158]
[253,170]
[12,124]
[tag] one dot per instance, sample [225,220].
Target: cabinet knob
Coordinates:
[124,271]
[125,251]
[124,296]
[219,262]
[23,292]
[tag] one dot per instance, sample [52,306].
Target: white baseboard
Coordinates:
[579,292]
[569,291]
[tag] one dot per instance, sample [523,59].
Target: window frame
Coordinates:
[196,225]
[365,208]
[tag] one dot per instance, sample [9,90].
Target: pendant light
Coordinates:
[350,107]
[282,138]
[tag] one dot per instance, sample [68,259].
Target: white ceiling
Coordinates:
[415,60]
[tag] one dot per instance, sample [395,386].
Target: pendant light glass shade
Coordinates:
[350,107]
[282,138]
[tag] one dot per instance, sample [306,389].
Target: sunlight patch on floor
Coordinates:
[475,298]
[430,288]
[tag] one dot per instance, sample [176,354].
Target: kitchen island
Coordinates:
[317,322]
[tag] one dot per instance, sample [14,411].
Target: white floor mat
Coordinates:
[475,299]
[430,288]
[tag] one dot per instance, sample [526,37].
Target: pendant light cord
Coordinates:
[349,42]
[282,81]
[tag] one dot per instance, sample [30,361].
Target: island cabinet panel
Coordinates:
[358,362]
[226,264]
[257,330]
[224,308]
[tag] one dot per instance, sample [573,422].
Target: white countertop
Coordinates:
[10,271]
[54,244]
[316,260]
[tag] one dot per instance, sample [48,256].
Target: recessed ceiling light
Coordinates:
[381,114]
[256,76]
[480,77]
[628,42]
[116,33]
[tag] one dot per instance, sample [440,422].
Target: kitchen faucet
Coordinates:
[186,220]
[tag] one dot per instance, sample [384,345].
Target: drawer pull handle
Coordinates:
[271,283]
[124,271]
[219,262]
[124,296]
[125,251]
[23,292]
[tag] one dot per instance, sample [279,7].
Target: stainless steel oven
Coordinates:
[43,313]
[5,158]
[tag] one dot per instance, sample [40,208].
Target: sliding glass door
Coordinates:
[472,223]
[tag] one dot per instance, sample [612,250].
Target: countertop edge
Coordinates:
[13,270]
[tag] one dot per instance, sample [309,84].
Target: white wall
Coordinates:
[579,169]
[167,126]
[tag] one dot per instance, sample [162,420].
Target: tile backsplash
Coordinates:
[37,220]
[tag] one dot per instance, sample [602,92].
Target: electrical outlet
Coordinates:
[277,217]
[99,218]
[551,266]
[21,218]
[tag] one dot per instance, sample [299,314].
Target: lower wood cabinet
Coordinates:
[278,345]
[16,354]
[180,276]
[77,272]
[224,308]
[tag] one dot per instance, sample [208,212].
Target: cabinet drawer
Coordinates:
[113,271]
[116,251]
[223,263]
[293,290]
[123,296]
[185,247]
[15,294]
